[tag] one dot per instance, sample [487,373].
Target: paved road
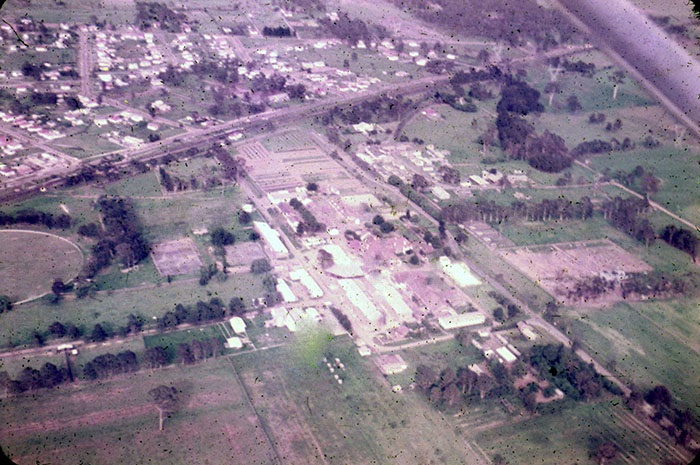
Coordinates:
[647,52]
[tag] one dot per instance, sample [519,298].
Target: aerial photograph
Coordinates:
[349,232]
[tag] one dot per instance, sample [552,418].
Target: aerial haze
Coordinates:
[348,232]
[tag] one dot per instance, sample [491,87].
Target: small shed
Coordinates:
[237,324]
[234,343]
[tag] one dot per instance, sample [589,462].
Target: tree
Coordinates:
[499,314]
[573,104]
[58,287]
[378,220]
[165,399]
[260,266]
[50,375]
[98,333]
[244,217]
[236,306]
[386,227]
[155,357]
[221,237]
[418,182]
[607,451]
[57,329]
[5,304]
[312,187]
[659,396]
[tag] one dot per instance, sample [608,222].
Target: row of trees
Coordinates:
[31,379]
[198,350]
[682,239]
[36,217]
[200,312]
[308,222]
[679,424]
[560,209]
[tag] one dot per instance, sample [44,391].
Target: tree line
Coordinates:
[559,209]
[36,217]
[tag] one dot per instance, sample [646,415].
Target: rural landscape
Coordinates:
[334,232]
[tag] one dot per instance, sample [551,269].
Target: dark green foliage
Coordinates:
[260,266]
[5,304]
[561,367]
[221,237]
[682,239]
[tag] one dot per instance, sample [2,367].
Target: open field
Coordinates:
[677,168]
[174,216]
[563,436]
[30,261]
[314,419]
[653,342]
[115,421]
[111,308]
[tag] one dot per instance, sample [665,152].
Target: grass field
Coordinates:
[653,342]
[174,217]
[31,261]
[676,167]
[112,308]
[562,437]
[360,421]
[115,421]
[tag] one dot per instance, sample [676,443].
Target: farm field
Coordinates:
[41,257]
[111,308]
[653,342]
[564,435]
[360,421]
[115,421]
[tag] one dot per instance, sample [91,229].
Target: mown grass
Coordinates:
[112,308]
[30,262]
[115,421]
[677,168]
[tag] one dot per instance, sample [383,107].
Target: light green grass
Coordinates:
[652,342]
[677,168]
[175,216]
[360,421]
[142,185]
[114,307]
[564,435]
[115,421]
[31,261]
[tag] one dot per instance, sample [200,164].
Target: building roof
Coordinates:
[461,320]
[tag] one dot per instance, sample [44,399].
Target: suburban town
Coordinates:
[334,232]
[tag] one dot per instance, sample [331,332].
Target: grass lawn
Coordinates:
[112,308]
[360,421]
[115,421]
[142,185]
[653,342]
[677,168]
[524,233]
[31,261]
[175,216]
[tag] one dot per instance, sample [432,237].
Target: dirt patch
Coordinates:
[558,267]
[176,257]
